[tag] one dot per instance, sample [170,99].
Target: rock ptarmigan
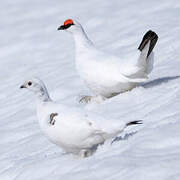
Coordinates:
[74,130]
[105,74]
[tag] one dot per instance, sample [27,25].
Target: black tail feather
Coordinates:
[149,36]
[134,123]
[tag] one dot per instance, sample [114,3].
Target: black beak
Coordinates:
[22,86]
[61,27]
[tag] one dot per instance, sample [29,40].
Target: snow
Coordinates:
[31,46]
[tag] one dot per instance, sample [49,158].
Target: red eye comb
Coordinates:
[68,21]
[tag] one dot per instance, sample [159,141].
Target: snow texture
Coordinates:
[31,46]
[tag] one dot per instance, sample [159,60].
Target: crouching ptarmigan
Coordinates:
[74,130]
[107,75]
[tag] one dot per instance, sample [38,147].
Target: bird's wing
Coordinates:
[107,127]
[130,69]
[134,74]
[74,118]
[126,67]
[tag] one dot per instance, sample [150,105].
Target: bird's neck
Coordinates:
[43,96]
[82,42]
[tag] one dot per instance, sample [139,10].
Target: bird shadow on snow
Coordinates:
[116,139]
[123,138]
[158,81]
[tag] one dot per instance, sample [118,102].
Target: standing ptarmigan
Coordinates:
[107,75]
[71,128]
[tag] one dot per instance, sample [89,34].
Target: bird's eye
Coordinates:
[29,83]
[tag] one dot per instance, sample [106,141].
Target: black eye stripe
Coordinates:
[66,26]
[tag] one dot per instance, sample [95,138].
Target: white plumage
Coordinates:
[107,75]
[71,128]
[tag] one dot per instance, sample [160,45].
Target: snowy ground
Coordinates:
[30,45]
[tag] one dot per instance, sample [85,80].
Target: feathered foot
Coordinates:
[89,99]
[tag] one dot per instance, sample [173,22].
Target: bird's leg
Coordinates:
[84,153]
[89,99]
[52,120]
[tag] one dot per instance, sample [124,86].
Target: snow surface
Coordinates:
[30,45]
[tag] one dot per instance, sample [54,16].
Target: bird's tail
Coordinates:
[149,38]
[146,59]
[134,123]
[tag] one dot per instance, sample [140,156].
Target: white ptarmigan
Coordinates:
[74,130]
[107,75]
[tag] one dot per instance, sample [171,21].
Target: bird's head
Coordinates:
[71,26]
[37,87]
